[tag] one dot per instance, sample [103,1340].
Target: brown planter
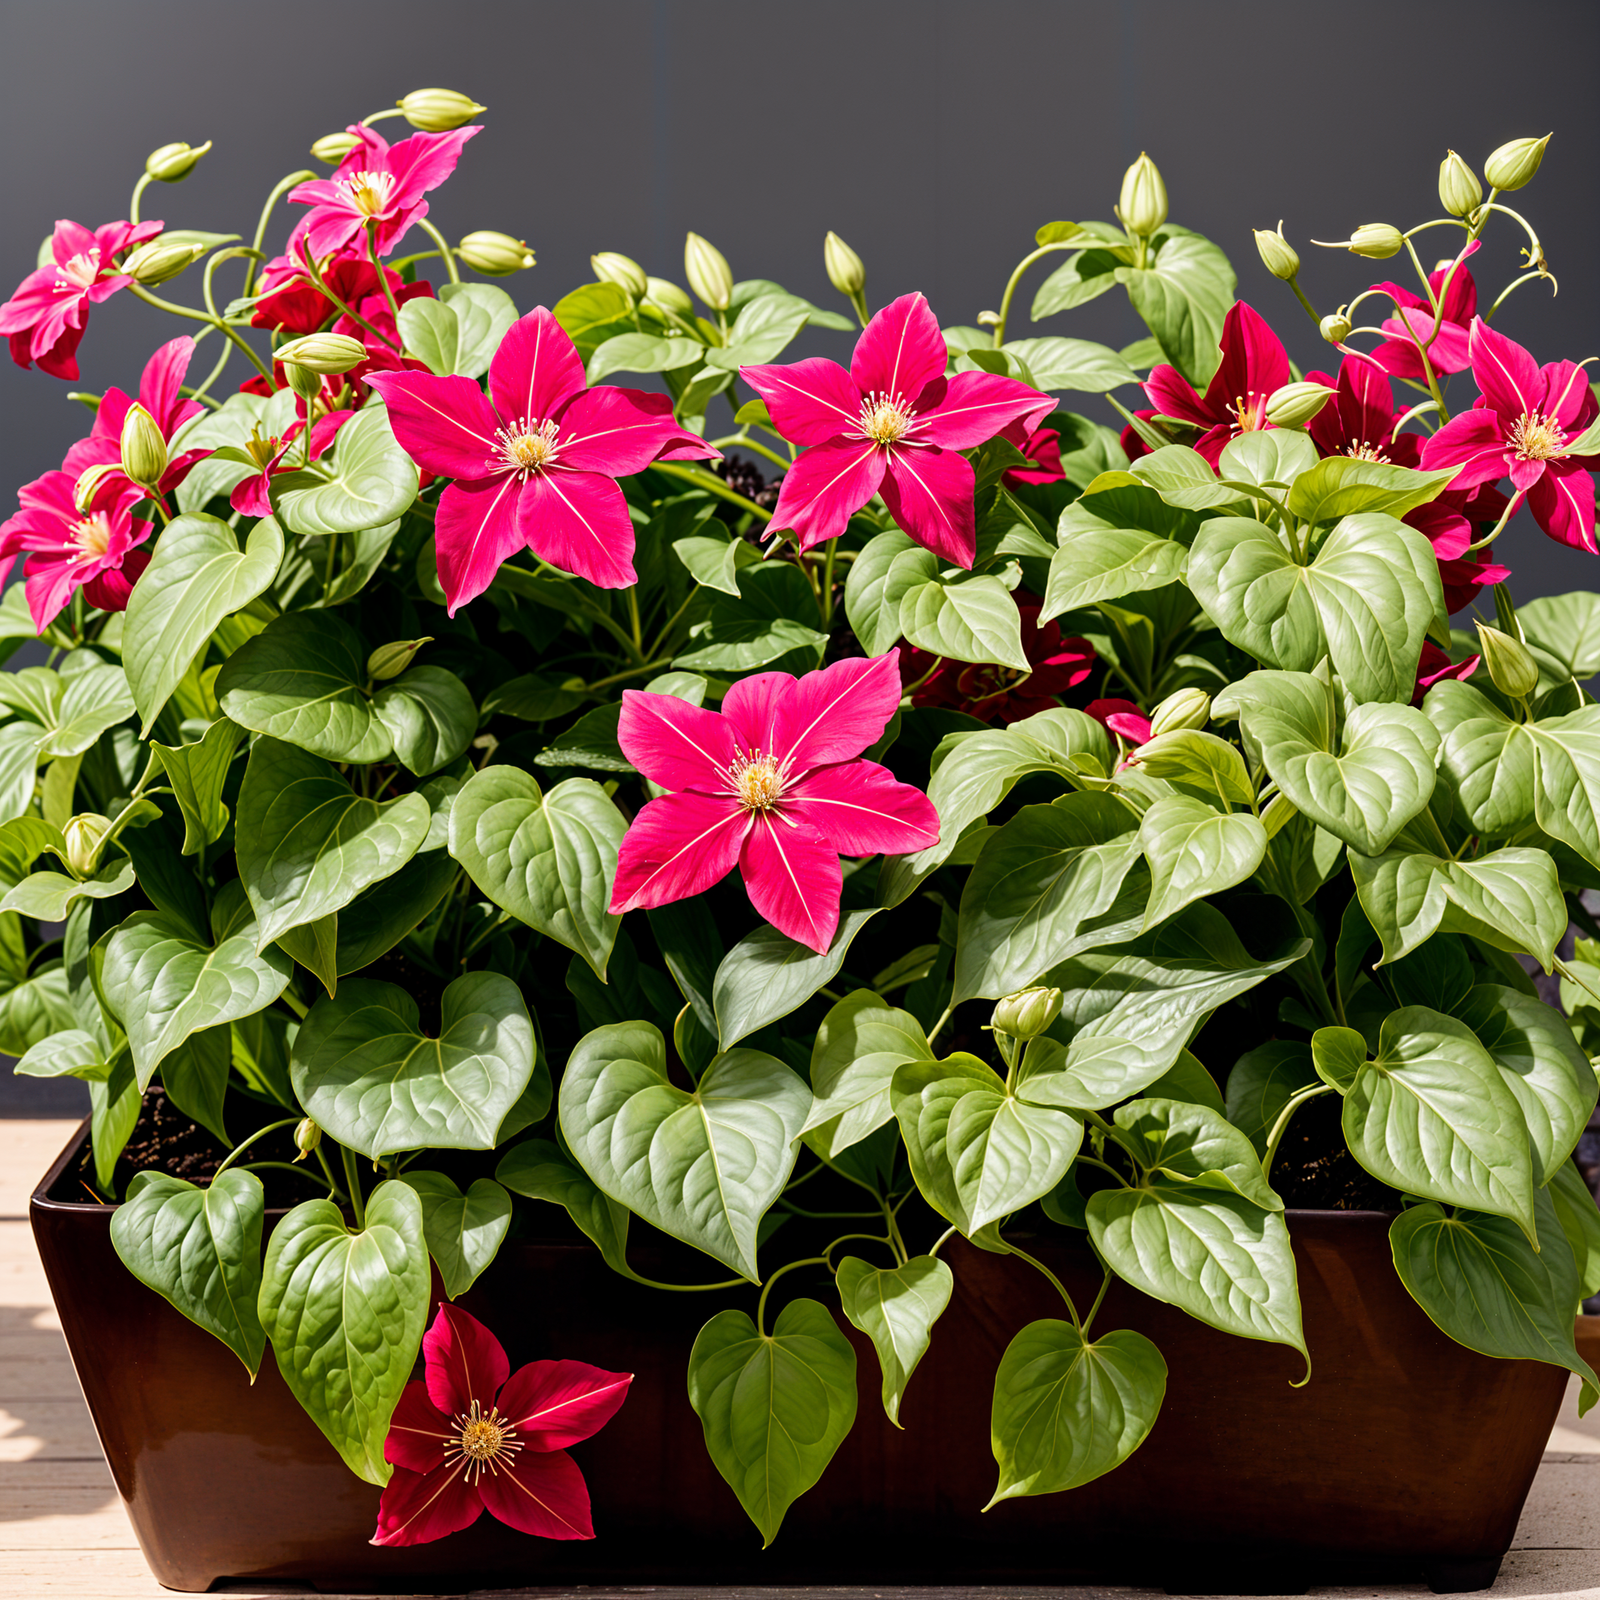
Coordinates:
[1406,1457]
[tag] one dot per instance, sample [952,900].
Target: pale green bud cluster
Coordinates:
[390,660]
[1142,207]
[172,163]
[1509,662]
[438,110]
[611,266]
[1460,193]
[1186,708]
[1278,256]
[1295,404]
[494,254]
[708,272]
[846,270]
[1027,1013]
[144,447]
[1514,164]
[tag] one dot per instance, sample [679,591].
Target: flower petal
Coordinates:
[1122,717]
[536,367]
[425,160]
[417,1508]
[824,717]
[163,376]
[1254,361]
[463,1361]
[1447,350]
[1508,376]
[1473,440]
[618,431]
[1173,395]
[861,809]
[539,1493]
[826,484]
[444,424]
[1523,472]
[476,528]
[579,521]
[793,877]
[419,1432]
[810,401]
[1562,503]
[1566,393]
[552,1404]
[900,351]
[974,407]
[675,744]
[929,493]
[677,846]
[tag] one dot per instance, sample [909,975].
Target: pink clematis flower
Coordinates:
[1452,522]
[69,549]
[1123,718]
[1521,426]
[475,1435]
[1254,364]
[379,183]
[536,462]
[46,316]
[894,422]
[771,783]
[272,457]
[1042,447]
[1360,419]
[295,305]
[1398,354]
[1435,666]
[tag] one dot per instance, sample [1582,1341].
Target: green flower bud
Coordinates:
[1027,1013]
[1460,193]
[611,266]
[1336,327]
[495,254]
[390,660]
[1295,404]
[1143,206]
[144,447]
[89,481]
[1512,669]
[334,147]
[708,272]
[663,292]
[330,353]
[1278,256]
[1377,241]
[846,270]
[302,380]
[1514,164]
[159,260]
[1187,708]
[172,163]
[84,835]
[438,110]
[307,1136]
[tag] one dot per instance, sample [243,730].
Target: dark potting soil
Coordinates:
[1314,1170]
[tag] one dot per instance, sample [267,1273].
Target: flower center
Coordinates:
[92,536]
[370,192]
[1536,437]
[757,781]
[481,1441]
[885,418]
[261,451]
[527,447]
[1363,451]
[1250,412]
[78,273]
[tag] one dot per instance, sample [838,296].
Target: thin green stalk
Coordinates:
[446,254]
[938,1027]
[712,485]
[1570,973]
[285,1166]
[1105,1166]
[239,1149]
[745,442]
[383,277]
[1016,278]
[1281,1126]
[215,260]
[687,1288]
[353,1179]
[943,1239]
[354,316]
[1311,311]
[826,596]
[875,1238]
[1088,1321]
[633,618]
[1059,1287]
[1499,527]
[201,316]
[761,1304]
[327,1171]
[145,180]
[213,375]
[304,175]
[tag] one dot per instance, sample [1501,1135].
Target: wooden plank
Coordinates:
[27,1148]
[33,1429]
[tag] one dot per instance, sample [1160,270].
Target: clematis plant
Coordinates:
[1142,838]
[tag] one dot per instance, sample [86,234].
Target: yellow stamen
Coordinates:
[370,192]
[92,536]
[78,273]
[757,781]
[527,446]
[885,418]
[481,1441]
[1536,437]
[1362,450]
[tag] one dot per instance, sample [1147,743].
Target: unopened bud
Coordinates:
[307,1136]
[1512,165]
[665,293]
[330,353]
[334,147]
[172,163]
[1377,241]
[1336,327]
[144,447]
[846,270]
[1295,404]
[1510,664]
[302,380]
[1186,708]
[84,835]
[390,660]
[1027,1013]
[611,266]
[1143,206]
[708,272]
[494,254]
[1460,193]
[988,319]
[159,260]
[1278,256]
[438,110]
[85,490]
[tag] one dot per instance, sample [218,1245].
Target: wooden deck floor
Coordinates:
[63,1531]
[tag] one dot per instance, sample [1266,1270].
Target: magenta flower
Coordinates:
[1359,421]
[475,1435]
[536,462]
[69,549]
[46,316]
[272,457]
[380,183]
[893,423]
[1254,363]
[1123,718]
[771,783]
[1435,666]
[1042,447]
[1452,521]
[1448,352]
[1521,427]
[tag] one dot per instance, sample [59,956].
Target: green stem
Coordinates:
[1311,311]
[215,373]
[239,1149]
[1060,1288]
[938,1027]
[687,1288]
[1016,278]
[1281,1126]
[285,1166]
[1527,276]
[633,619]
[1088,1321]
[217,258]
[875,1238]
[672,622]
[943,1239]
[826,595]
[383,277]
[745,442]
[761,1304]
[711,484]
[353,1179]
[1105,1166]
[1569,973]
[279,191]
[327,1171]
[354,316]
[622,677]
[1499,527]
[145,180]
[446,254]
[382,116]
[824,1216]
[201,316]
[896,1241]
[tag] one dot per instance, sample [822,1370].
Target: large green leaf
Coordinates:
[1342,486]
[896,1307]
[874,620]
[642,352]
[1054,364]
[430,717]
[167,984]
[1580,1221]
[859,1044]
[1486,761]
[195,1077]
[539,1170]
[48,896]
[368,481]
[1184,478]
[201,1249]
[758,626]
[345,1311]
[774,1406]
[970,619]
[464,1231]
[548,859]
[1563,631]
[1067,1410]
[1566,784]
[1183,297]
[369,1076]
[198,773]
[702,1166]
[1194,851]
[300,680]
[459,332]
[93,699]
[197,576]
[767,975]
[1190,1142]
[1105,564]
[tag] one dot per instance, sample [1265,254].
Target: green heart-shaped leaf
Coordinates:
[198,773]
[430,717]
[859,1044]
[539,1170]
[970,619]
[1486,761]
[1194,851]
[369,480]
[464,1231]
[1183,297]
[1105,564]
[896,1307]
[1182,1140]
[1344,485]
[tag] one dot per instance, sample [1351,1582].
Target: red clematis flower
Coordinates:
[69,549]
[1398,354]
[772,783]
[1123,718]
[46,316]
[379,183]
[1452,522]
[894,422]
[1042,447]
[1521,426]
[1360,419]
[1435,666]
[252,495]
[1254,364]
[475,1435]
[538,466]
[295,305]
